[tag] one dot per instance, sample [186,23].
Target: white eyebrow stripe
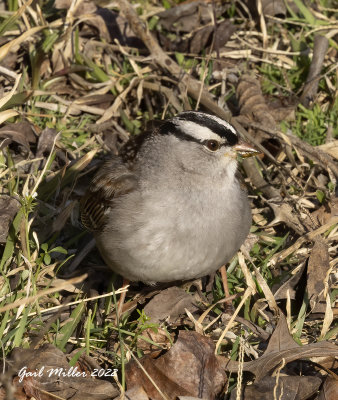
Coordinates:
[198,131]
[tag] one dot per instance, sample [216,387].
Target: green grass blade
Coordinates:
[67,330]
[9,247]
[310,19]
[4,323]
[22,328]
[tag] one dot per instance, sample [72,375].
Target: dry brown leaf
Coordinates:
[283,112]
[61,219]
[33,389]
[111,25]
[281,338]
[18,390]
[200,40]
[135,393]
[252,104]
[186,17]
[48,361]
[221,34]
[318,266]
[171,302]
[9,206]
[135,376]
[274,7]
[189,368]
[330,148]
[268,7]
[290,285]
[159,336]
[3,394]
[224,31]
[283,388]
[282,348]
[329,362]
[98,21]
[20,132]
[329,390]
[46,142]
[326,212]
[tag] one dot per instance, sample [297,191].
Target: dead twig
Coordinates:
[325,160]
[321,45]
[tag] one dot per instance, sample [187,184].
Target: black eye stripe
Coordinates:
[169,127]
[175,131]
[213,125]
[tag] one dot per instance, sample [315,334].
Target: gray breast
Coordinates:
[163,235]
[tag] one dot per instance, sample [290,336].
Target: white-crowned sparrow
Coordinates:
[171,207]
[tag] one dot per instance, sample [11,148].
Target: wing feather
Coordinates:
[112,180]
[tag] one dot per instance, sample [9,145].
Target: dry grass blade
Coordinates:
[246,294]
[9,95]
[31,299]
[6,48]
[309,236]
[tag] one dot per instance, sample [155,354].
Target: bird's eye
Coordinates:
[212,145]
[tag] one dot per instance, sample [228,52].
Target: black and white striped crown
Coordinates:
[200,127]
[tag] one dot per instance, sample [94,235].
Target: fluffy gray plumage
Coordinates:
[177,210]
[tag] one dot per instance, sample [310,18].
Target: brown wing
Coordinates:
[112,180]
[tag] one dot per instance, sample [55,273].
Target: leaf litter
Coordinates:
[97,76]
